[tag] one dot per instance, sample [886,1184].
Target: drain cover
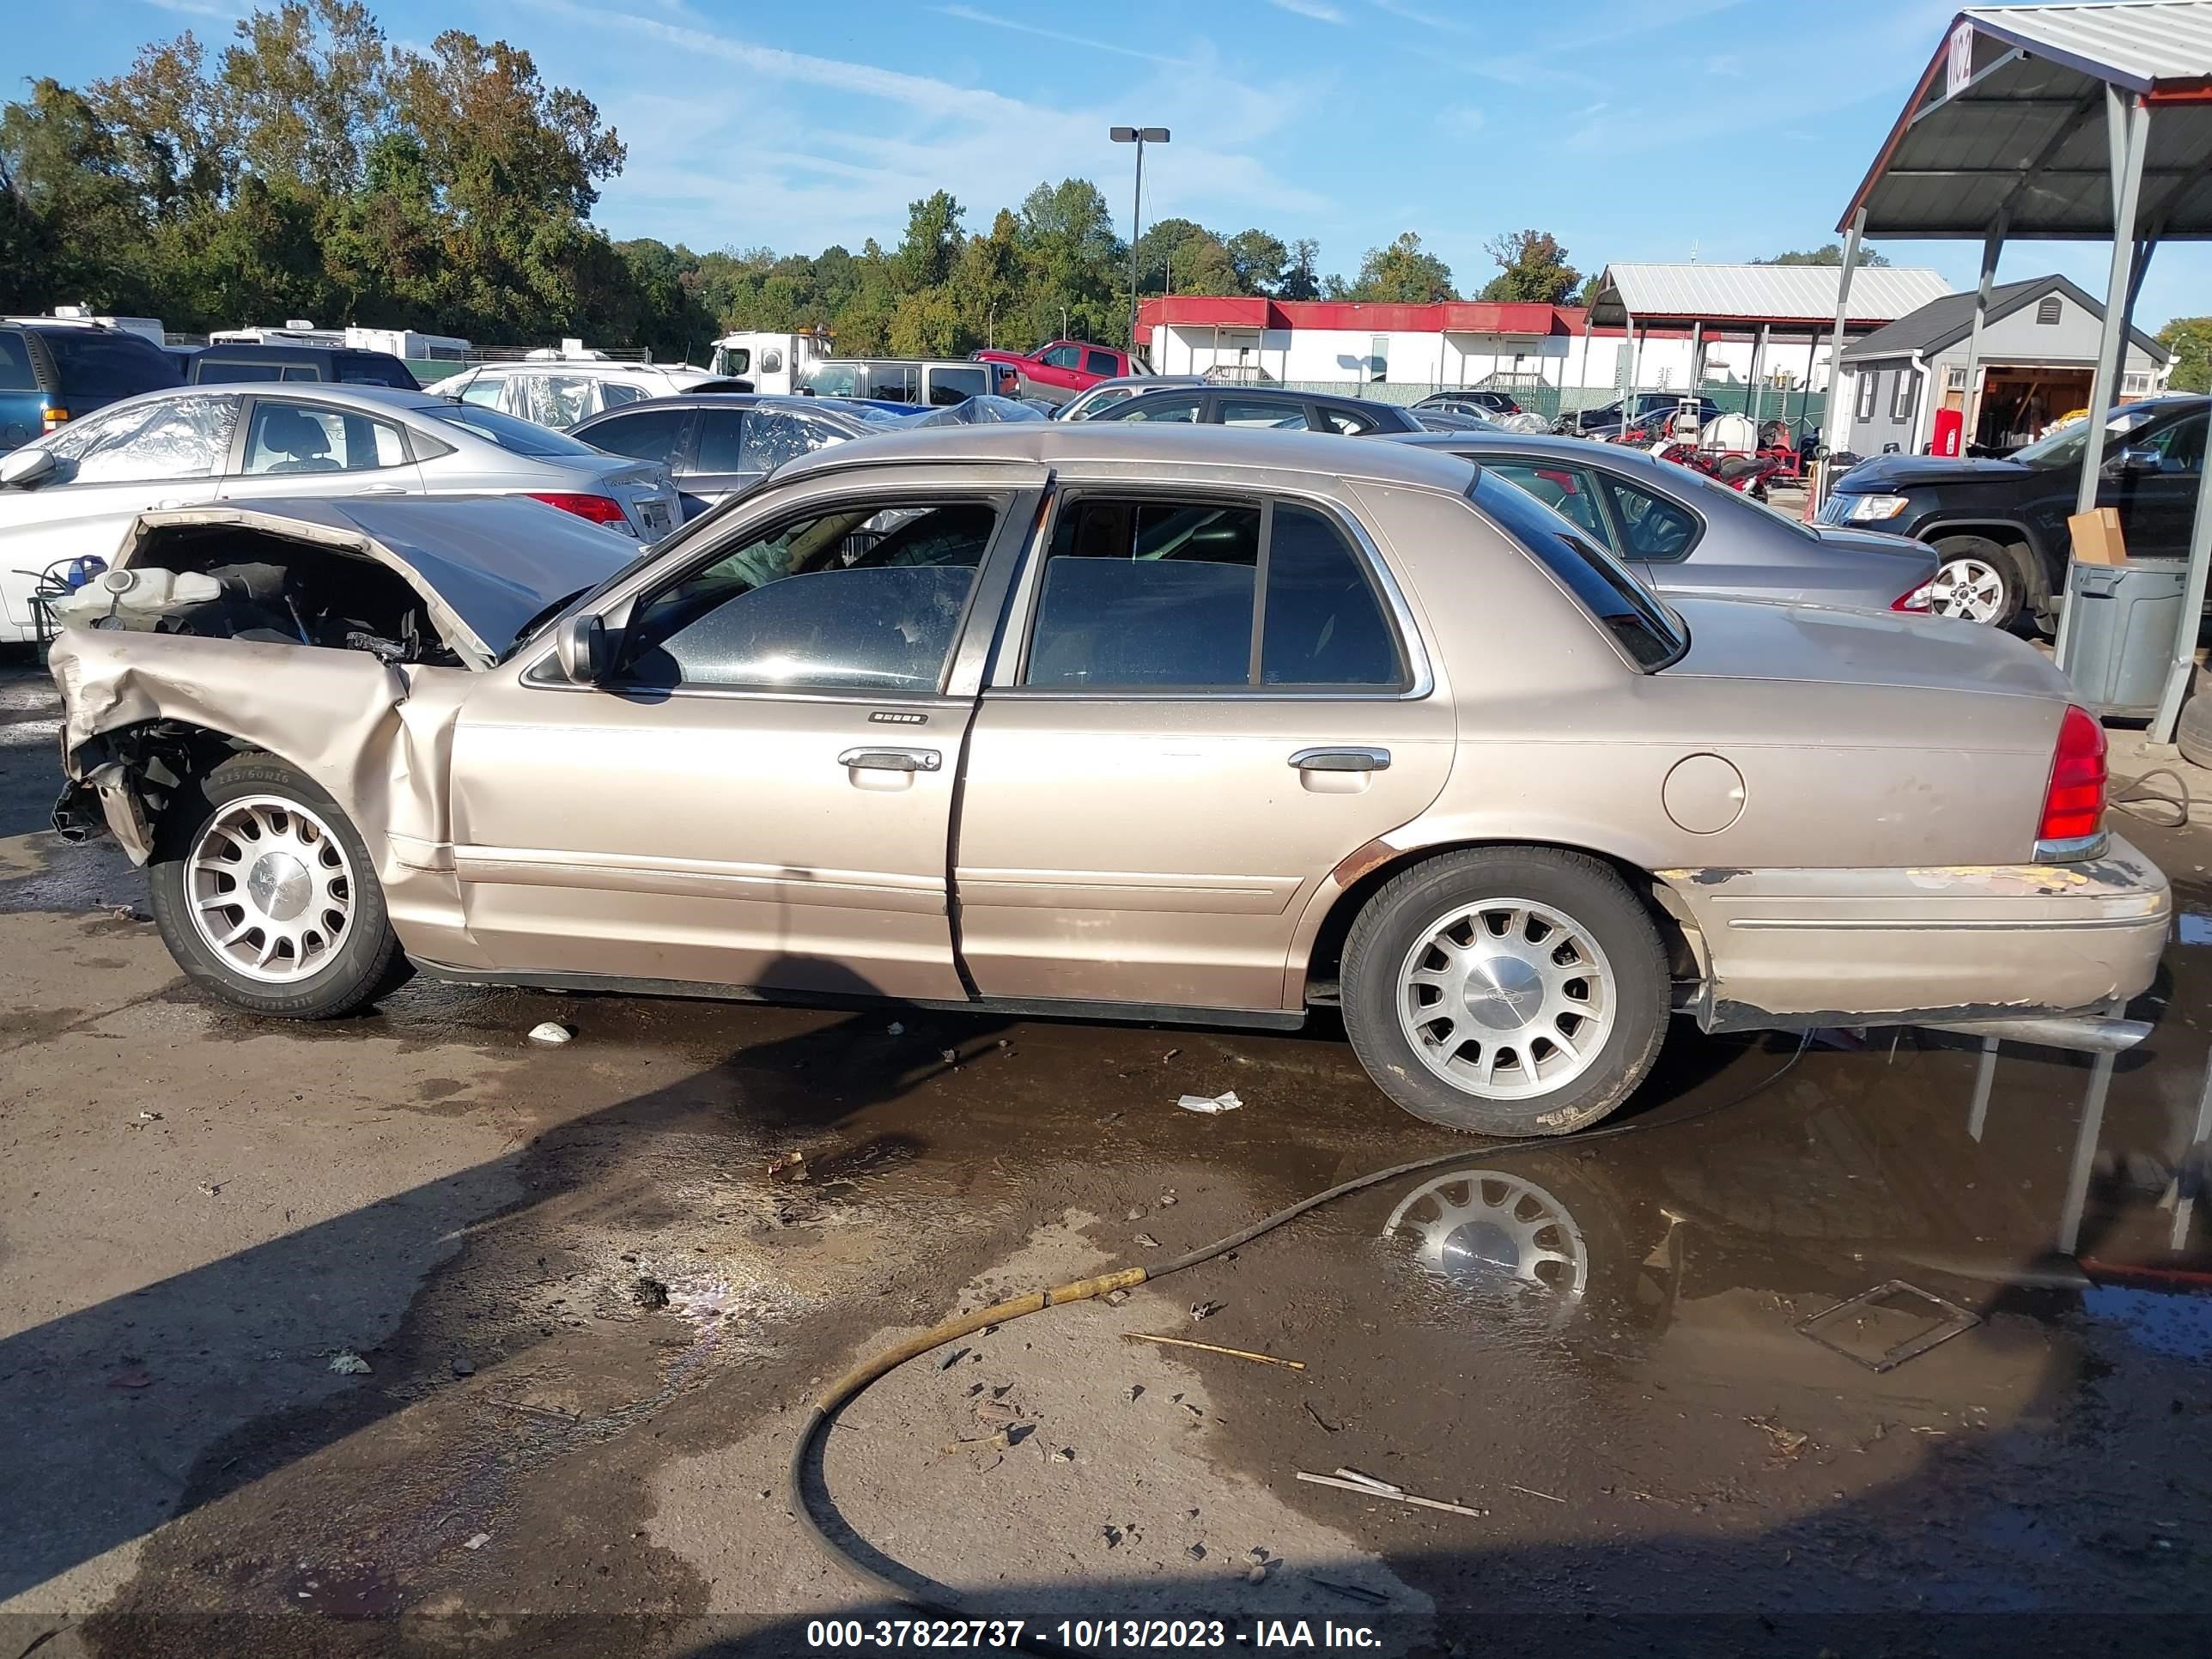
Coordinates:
[1883,1328]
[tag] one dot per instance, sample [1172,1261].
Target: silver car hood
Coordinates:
[485,565]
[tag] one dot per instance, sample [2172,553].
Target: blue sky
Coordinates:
[1723,129]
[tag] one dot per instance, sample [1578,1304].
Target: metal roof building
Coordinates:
[1768,305]
[1797,295]
[2076,122]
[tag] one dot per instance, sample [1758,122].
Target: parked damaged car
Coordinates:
[1238,725]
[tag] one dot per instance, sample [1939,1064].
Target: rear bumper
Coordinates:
[1795,948]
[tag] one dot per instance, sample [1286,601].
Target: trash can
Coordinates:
[2119,631]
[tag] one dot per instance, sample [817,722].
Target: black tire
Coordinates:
[365,964]
[1999,558]
[1581,889]
[2192,732]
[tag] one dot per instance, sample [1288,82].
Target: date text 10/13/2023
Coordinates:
[1089,1634]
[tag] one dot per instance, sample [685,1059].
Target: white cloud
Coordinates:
[1313,9]
[1425,19]
[970,14]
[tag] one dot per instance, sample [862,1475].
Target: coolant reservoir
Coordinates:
[148,591]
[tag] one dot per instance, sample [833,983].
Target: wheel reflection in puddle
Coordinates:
[1498,1238]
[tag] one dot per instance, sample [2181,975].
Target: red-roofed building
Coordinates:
[1665,325]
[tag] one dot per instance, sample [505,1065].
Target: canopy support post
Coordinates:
[2127,129]
[1992,245]
[2192,613]
[1829,428]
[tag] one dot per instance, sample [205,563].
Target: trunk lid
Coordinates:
[1750,640]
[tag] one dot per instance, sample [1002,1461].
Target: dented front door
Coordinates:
[760,793]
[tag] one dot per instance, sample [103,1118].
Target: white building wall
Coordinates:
[1432,358]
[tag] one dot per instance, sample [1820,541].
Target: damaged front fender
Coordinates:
[135,705]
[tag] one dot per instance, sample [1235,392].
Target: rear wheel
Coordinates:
[1506,990]
[265,895]
[1977,581]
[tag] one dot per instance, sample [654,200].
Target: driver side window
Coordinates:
[866,596]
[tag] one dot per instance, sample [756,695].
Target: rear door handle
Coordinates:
[383,489]
[1351,759]
[891,760]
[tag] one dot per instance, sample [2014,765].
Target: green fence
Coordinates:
[1763,403]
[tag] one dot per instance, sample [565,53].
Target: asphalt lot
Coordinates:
[591,1318]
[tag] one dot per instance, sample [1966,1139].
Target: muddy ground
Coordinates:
[588,1317]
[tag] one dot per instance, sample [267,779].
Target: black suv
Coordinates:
[1489,404]
[1999,527]
[337,365]
[53,368]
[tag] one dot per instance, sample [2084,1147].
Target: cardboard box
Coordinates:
[2097,539]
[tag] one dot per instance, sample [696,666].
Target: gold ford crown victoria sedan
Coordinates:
[1210,726]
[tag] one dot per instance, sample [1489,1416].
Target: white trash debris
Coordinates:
[478,1541]
[550,1031]
[1226,1101]
[350,1364]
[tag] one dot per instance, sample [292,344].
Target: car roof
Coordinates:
[1046,443]
[1528,443]
[381,399]
[280,350]
[840,407]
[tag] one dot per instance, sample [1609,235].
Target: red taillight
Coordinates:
[599,509]
[1913,598]
[2074,805]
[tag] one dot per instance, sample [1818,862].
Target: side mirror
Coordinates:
[20,469]
[2130,461]
[581,645]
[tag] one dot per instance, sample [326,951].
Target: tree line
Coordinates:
[310,168]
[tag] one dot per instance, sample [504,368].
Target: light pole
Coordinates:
[1139,136]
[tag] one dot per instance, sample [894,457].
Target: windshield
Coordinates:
[2064,447]
[520,436]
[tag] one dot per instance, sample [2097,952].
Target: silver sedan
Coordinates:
[74,493]
[1689,536]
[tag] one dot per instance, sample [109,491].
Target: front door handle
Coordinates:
[1349,759]
[891,760]
[383,489]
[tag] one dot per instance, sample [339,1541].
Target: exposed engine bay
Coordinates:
[240,582]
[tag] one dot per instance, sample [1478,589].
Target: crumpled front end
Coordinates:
[142,712]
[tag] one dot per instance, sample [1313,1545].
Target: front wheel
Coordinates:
[1506,990]
[265,895]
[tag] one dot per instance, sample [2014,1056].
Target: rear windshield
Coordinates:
[522,437]
[1646,630]
[104,363]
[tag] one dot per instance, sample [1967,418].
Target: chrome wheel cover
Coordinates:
[1491,1227]
[270,889]
[1970,588]
[1507,998]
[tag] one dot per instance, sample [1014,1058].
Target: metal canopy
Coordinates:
[2021,134]
[1758,294]
[2067,123]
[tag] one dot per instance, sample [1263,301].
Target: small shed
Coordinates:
[2036,363]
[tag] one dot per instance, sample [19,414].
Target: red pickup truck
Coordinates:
[1058,371]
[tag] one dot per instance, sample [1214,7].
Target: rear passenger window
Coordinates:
[650,434]
[1322,623]
[1100,362]
[15,372]
[1352,426]
[1652,526]
[721,440]
[1146,594]
[1140,595]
